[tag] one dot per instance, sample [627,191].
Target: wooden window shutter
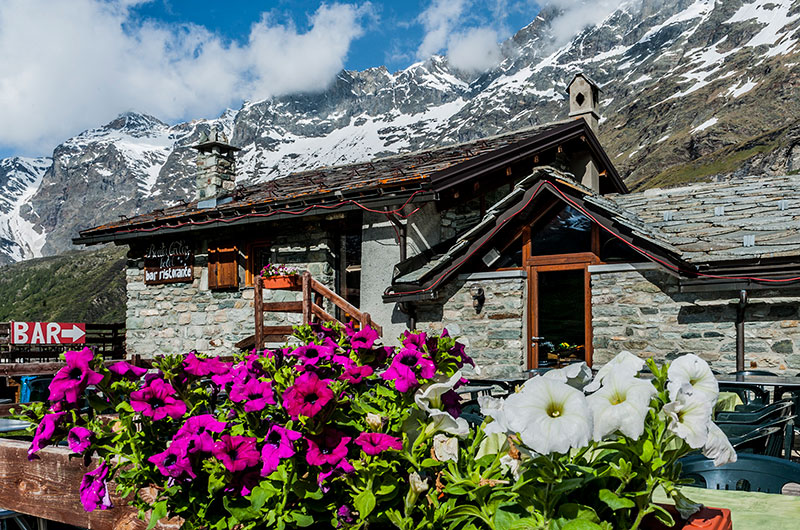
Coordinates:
[223,268]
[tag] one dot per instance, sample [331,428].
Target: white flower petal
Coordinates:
[430,396]
[510,465]
[444,422]
[695,371]
[717,447]
[445,448]
[549,416]
[493,408]
[621,405]
[575,374]
[689,416]
[624,363]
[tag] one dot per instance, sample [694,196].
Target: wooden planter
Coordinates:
[706,519]
[281,282]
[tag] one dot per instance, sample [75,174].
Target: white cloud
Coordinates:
[579,14]
[69,65]
[475,50]
[439,20]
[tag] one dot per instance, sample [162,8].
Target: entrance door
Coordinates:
[559,314]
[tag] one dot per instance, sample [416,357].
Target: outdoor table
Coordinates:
[475,390]
[749,510]
[7,425]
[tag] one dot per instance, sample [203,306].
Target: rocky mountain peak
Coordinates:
[692,89]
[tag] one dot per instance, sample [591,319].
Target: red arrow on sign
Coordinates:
[48,333]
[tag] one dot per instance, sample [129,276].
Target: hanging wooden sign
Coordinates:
[168,263]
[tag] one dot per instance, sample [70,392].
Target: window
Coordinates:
[223,267]
[259,254]
[569,231]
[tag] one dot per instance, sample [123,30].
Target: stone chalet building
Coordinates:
[527,245]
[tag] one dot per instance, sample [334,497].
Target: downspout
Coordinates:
[406,308]
[740,309]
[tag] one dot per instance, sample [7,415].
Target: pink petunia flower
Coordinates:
[127,370]
[307,396]
[237,453]
[374,443]
[44,433]
[156,401]
[94,489]
[197,430]
[174,461]
[356,374]
[79,439]
[200,366]
[277,446]
[405,367]
[255,394]
[70,382]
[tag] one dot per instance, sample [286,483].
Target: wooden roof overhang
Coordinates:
[415,177]
[421,276]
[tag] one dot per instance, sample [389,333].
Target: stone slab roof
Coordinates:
[408,171]
[729,220]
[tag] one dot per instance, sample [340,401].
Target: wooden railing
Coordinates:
[108,339]
[310,306]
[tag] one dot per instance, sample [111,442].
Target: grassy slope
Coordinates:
[79,286]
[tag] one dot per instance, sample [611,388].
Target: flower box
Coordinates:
[281,282]
[706,519]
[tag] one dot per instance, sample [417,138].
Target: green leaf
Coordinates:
[581,524]
[158,513]
[614,501]
[663,515]
[258,497]
[647,451]
[578,511]
[302,519]
[364,503]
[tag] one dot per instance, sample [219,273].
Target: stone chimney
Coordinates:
[584,100]
[216,168]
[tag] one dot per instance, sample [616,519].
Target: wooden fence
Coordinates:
[108,339]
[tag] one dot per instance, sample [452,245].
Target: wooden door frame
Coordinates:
[558,262]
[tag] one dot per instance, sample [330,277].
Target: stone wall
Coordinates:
[639,308]
[179,317]
[495,335]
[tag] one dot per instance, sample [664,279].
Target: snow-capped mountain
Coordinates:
[20,179]
[692,89]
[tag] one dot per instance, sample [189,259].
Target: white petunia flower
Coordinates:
[689,416]
[549,416]
[624,363]
[494,408]
[621,405]
[445,448]
[575,374]
[429,399]
[695,371]
[717,447]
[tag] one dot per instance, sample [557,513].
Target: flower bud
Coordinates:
[374,421]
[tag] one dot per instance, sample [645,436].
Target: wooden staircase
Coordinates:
[310,306]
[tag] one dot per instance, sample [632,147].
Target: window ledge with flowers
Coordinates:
[276,276]
[342,432]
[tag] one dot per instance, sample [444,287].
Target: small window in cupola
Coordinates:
[580,98]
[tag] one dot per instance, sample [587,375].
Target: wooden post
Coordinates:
[365,320]
[306,298]
[258,303]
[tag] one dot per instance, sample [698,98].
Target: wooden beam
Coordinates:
[285,307]
[48,488]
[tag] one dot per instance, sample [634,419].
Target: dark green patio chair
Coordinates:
[749,473]
[773,439]
[780,409]
[750,395]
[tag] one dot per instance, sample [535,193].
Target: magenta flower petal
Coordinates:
[330,448]
[156,401]
[373,443]
[313,353]
[307,396]
[356,374]
[277,446]
[174,461]
[79,439]
[202,366]
[127,370]
[364,338]
[94,489]
[197,430]
[254,393]
[236,453]
[44,433]
[70,381]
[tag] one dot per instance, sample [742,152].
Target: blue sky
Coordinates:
[70,65]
